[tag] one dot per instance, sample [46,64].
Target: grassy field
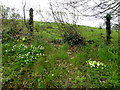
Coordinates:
[42,63]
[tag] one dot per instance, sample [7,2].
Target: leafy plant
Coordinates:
[108,53]
[95,64]
[24,54]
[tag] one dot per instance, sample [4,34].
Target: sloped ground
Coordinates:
[58,65]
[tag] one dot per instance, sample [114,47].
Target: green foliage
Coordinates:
[102,76]
[73,39]
[8,35]
[108,53]
[41,64]
[96,65]
[23,54]
[71,36]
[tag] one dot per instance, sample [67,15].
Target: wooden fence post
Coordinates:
[31,20]
[108,28]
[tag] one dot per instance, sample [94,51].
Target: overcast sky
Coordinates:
[43,4]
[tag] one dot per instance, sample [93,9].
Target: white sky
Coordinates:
[44,5]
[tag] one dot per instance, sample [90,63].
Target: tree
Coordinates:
[98,7]
[10,23]
[9,16]
[66,20]
[108,28]
[24,12]
[31,20]
[109,7]
[115,27]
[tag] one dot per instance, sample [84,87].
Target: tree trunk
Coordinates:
[108,28]
[31,20]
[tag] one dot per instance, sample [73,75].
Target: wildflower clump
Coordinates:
[95,64]
[25,54]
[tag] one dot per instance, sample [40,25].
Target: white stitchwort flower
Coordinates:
[52,74]
[6,50]
[42,48]
[96,64]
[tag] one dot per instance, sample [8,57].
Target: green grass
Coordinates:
[59,65]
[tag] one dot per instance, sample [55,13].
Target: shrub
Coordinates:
[73,39]
[8,35]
